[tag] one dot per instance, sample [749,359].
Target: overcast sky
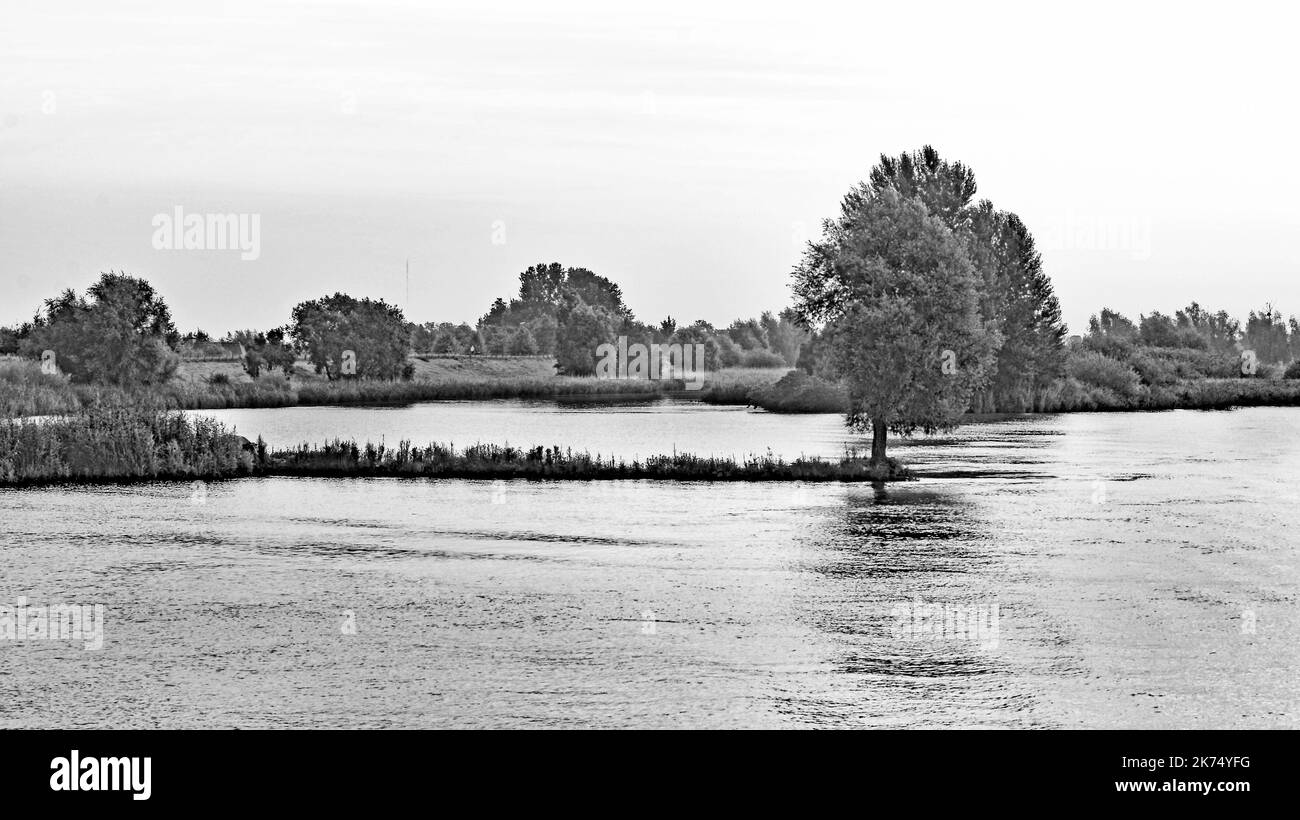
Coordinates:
[683,150]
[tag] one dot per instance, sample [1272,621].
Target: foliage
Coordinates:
[373,329]
[119,333]
[117,444]
[265,351]
[898,295]
[490,461]
[575,352]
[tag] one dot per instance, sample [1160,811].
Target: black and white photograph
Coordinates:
[397,365]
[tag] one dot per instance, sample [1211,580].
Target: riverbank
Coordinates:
[25,391]
[121,445]
[491,461]
[798,392]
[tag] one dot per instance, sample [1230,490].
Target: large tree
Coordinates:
[898,300]
[120,332]
[549,296]
[946,188]
[372,329]
[1016,300]
[584,329]
[1016,295]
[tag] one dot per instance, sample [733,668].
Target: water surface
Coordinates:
[1143,567]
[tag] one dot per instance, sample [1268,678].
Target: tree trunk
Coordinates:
[878,436]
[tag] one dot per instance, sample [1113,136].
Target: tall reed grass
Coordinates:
[118,444]
[25,391]
[347,458]
[799,393]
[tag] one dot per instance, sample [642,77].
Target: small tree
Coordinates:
[494,339]
[265,351]
[900,302]
[1266,334]
[373,329]
[120,333]
[700,333]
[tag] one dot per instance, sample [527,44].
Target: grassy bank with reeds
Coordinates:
[25,391]
[115,445]
[119,444]
[491,461]
[801,393]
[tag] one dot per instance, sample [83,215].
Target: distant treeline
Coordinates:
[1193,359]
[568,312]
[120,333]
[26,391]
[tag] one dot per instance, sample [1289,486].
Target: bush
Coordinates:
[480,461]
[119,333]
[729,354]
[1092,368]
[797,392]
[116,444]
[1116,348]
[522,342]
[761,358]
[26,391]
[1292,371]
[1153,369]
[1201,364]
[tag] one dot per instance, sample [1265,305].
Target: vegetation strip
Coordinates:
[113,445]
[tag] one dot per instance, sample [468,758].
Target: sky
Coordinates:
[684,150]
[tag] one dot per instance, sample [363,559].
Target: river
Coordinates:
[1111,570]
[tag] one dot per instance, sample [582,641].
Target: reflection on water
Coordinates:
[1142,567]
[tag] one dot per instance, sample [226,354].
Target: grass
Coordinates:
[347,458]
[797,392]
[735,385]
[131,444]
[120,444]
[800,393]
[364,392]
[25,391]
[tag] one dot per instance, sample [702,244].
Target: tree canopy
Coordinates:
[120,333]
[1016,298]
[373,329]
[898,299]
